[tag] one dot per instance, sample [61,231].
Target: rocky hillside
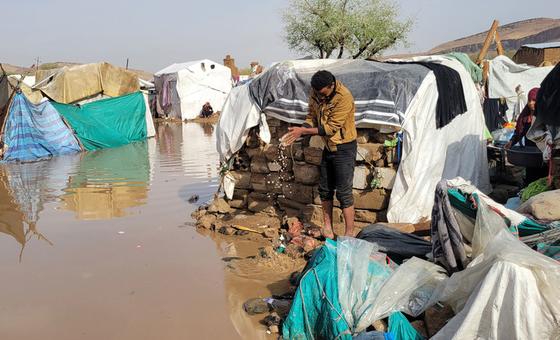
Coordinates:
[513,36]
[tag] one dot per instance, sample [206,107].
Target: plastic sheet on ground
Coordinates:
[508,291]
[370,290]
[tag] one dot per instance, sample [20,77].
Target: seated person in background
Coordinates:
[207,110]
[524,121]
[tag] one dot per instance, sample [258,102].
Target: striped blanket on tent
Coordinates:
[36,131]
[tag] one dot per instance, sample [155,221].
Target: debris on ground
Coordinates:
[256,306]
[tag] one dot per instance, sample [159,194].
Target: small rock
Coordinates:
[219,205]
[193,199]
[294,251]
[206,221]
[227,230]
[256,306]
[273,329]
[270,233]
[241,233]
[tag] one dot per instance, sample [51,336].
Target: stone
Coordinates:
[198,213]
[286,204]
[294,251]
[362,177]
[240,193]
[391,154]
[273,183]
[271,152]
[380,326]
[313,155]
[272,320]
[254,152]
[306,173]
[386,177]
[256,306]
[380,163]
[369,152]
[270,233]
[220,206]
[258,182]
[436,317]
[367,216]
[316,142]
[544,206]
[238,203]
[420,327]
[227,230]
[206,221]
[273,329]
[363,136]
[259,165]
[382,137]
[274,166]
[273,122]
[257,202]
[371,199]
[298,192]
[242,179]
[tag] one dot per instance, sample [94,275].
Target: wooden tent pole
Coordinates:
[487,42]
[499,47]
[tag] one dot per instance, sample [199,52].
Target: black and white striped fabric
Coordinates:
[382,91]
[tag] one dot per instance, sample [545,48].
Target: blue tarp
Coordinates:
[36,131]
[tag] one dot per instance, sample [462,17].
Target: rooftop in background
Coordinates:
[543,45]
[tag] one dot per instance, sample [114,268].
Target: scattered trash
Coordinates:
[193,198]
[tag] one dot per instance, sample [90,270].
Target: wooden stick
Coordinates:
[487,42]
[499,47]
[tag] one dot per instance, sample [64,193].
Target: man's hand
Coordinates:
[292,136]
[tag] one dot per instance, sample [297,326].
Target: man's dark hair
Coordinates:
[322,79]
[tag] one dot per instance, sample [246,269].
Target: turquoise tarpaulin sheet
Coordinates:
[109,122]
[36,131]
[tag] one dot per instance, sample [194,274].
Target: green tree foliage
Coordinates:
[344,28]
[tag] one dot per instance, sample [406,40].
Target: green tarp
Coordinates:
[109,122]
[474,70]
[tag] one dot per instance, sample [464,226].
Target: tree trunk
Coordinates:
[341,51]
[362,49]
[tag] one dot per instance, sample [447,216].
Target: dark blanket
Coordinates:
[398,246]
[548,99]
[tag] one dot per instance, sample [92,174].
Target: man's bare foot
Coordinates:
[328,233]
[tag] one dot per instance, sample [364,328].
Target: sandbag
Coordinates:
[544,206]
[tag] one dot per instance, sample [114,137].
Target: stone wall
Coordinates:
[285,181]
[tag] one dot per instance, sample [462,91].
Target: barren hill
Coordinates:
[513,35]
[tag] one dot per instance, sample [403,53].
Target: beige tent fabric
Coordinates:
[72,84]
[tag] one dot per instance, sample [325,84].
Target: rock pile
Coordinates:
[280,181]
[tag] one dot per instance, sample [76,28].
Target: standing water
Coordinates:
[99,245]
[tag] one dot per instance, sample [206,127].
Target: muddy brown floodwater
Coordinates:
[100,245]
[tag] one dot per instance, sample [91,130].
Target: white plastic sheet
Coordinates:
[239,115]
[505,75]
[369,289]
[430,154]
[508,291]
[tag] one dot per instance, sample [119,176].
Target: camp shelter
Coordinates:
[108,122]
[72,84]
[182,89]
[399,96]
[538,54]
[505,76]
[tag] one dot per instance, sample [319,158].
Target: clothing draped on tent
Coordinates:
[548,99]
[109,122]
[36,131]
[495,113]
[474,69]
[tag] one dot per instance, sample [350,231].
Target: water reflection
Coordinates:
[108,183]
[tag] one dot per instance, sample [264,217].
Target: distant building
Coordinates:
[538,54]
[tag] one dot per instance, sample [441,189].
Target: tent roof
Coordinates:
[174,68]
[543,45]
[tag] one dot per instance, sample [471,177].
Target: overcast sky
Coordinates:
[156,33]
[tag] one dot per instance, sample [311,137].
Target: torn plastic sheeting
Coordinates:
[508,291]
[370,290]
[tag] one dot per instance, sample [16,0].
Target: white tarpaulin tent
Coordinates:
[505,75]
[184,88]
[429,154]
